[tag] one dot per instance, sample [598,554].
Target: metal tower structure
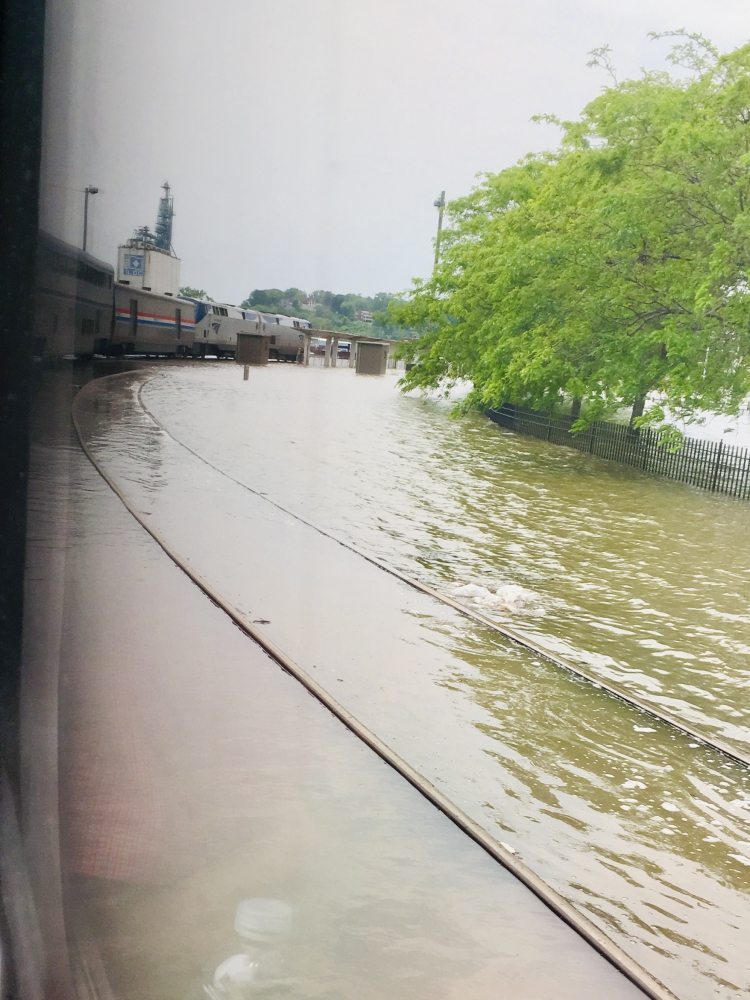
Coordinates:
[163,238]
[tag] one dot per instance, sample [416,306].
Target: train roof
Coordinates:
[46,241]
[285,320]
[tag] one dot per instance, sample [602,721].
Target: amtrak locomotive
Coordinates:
[217,325]
[82,309]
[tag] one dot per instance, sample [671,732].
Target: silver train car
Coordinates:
[73,308]
[217,325]
[151,324]
[81,311]
[286,340]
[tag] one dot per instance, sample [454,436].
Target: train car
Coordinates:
[73,309]
[217,325]
[152,324]
[286,339]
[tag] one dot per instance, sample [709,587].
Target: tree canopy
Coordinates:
[328,310]
[613,270]
[195,293]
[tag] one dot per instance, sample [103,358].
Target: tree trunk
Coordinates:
[638,408]
[575,408]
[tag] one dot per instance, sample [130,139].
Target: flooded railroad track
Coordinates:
[639,582]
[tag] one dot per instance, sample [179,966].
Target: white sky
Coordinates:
[305,140]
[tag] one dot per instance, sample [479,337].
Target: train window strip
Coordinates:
[59,263]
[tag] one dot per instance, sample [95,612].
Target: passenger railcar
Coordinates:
[151,324]
[73,309]
[81,310]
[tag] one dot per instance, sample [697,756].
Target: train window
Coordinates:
[134,316]
[273,339]
[178,322]
[98,322]
[92,275]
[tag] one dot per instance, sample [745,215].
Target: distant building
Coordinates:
[143,265]
[363,316]
[147,261]
[286,303]
[309,303]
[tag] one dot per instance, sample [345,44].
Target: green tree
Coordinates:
[612,270]
[195,293]
[334,312]
[268,299]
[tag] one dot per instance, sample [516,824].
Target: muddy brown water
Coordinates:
[172,771]
[642,579]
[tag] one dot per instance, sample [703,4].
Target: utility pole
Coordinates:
[439,204]
[89,190]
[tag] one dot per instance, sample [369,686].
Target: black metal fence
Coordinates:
[710,465]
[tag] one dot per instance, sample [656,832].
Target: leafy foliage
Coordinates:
[328,310]
[195,293]
[613,270]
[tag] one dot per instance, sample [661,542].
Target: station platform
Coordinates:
[193,773]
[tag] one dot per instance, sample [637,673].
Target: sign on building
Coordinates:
[133,264]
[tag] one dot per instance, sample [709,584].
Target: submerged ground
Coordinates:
[644,580]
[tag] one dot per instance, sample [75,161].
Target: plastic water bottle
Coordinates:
[257,967]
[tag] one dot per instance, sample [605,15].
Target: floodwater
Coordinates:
[644,580]
[220,834]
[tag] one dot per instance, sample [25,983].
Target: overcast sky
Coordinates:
[306,140]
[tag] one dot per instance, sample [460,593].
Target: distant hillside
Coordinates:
[329,311]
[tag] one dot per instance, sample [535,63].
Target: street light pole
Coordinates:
[89,190]
[439,204]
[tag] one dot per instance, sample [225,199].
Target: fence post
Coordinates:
[591,439]
[645,442]
[549,426]
[717,463]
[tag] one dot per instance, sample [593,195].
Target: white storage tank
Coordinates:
[147,268]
